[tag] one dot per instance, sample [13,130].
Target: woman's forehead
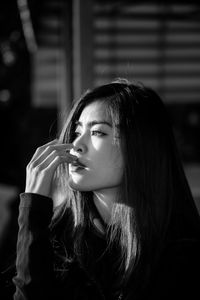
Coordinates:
[96,111]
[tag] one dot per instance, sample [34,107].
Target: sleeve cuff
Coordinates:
[35,201]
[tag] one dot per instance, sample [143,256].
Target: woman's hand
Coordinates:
[41,168]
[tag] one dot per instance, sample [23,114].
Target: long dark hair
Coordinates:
[155,204]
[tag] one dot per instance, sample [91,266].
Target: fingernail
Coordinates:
[72,156]
[70,146]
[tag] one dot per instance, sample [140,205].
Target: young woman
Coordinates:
[107,212]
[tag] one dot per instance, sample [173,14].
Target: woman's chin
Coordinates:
[75,185]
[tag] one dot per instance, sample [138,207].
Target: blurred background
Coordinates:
[53,50]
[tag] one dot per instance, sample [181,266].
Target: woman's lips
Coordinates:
[77,165]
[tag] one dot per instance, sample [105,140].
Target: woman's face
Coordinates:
[101,162]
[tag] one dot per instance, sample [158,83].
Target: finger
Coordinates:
[53,165]
[67,158]
[68,146]
[41,149]
[60,147]
[70,158]
[61,150]
[46,161]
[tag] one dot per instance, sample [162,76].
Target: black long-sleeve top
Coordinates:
[177,275]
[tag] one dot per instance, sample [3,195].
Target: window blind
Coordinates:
[156,44]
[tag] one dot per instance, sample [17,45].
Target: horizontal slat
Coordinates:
[161,58]
[131,24]
[125,9]
[144,40]
[51,23]
[182,97]
[145,52]
[146,72]
[136,21]
[153,30]
[149,82]
[145,9]
[125,53]
[48,85]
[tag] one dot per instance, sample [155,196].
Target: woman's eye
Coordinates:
[76,134]
[98,133]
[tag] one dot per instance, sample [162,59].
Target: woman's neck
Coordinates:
[104,200]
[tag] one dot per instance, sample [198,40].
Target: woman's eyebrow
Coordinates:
[94,122]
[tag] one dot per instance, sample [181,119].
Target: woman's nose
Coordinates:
[79,145]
